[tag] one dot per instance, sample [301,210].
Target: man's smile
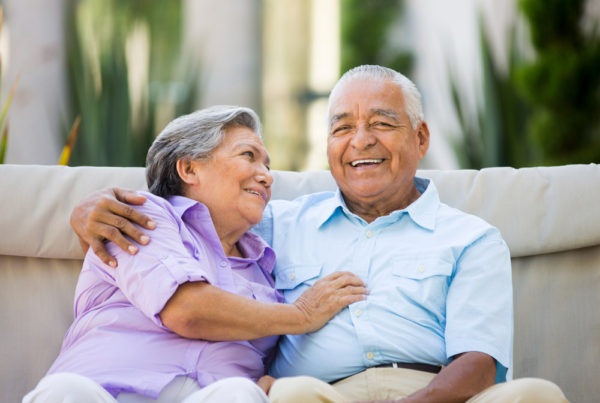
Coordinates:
[366,162]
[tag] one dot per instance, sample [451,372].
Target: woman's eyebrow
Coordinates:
[255,149]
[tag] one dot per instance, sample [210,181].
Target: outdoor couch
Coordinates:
[550,218]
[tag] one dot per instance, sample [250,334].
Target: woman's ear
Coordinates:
[187,172]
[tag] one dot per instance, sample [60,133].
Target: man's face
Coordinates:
[372,149]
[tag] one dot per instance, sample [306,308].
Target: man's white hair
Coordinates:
[412,96]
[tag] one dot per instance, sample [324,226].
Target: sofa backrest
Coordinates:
[538,210]
[549,217]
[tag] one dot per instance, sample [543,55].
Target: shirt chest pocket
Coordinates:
[422,281]
[294,280]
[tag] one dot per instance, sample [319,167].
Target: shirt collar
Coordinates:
[422,211]
[182,204]
[256,249]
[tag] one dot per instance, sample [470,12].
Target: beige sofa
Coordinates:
[550,218]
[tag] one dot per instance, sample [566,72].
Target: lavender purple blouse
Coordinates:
[117,338]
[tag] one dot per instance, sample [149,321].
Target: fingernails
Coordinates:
[132,249]
[144,239]
[151,224]
[112,264]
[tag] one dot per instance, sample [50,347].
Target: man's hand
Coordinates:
[265,383]
[104,215]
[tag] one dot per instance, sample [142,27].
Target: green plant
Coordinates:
[128,76]
[365,29]
[496,136]
[562,84]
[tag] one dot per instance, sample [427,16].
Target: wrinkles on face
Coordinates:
[372,149]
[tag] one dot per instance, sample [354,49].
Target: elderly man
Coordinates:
[437,325]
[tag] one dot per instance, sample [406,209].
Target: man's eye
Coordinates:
[383,124]
[339,129]
[248,154]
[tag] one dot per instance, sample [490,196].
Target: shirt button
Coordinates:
[223,264]
[292,276]
[369,234]
[369,355]
[358,312]
[421,269]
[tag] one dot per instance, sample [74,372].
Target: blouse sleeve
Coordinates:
[150,277]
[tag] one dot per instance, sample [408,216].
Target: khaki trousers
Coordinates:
[398,383]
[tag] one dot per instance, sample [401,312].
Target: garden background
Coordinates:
[504,83]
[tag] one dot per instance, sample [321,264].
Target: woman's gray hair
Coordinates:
[412,96]
[191,137]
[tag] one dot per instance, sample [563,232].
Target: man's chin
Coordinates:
[363,193]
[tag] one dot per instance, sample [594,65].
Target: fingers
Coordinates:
[100,250]
[350,295]
[128,196]
[121,206]
[265,382]
[118,226]
[343,278]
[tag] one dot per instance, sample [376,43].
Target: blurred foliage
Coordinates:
[365,33]
[497,136]
[563,83]
[6,105]
[127,76]
[540,112]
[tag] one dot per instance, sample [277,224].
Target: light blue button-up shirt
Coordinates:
[439,281]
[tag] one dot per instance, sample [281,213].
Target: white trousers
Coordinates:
[73,388]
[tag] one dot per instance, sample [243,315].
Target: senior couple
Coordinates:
[380,292]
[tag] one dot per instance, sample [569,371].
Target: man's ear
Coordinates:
[423,136]
[187,172]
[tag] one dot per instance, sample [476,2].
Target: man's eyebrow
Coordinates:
[389,113]
[337,117]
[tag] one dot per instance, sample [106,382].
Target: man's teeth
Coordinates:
[373,161]
[253,192]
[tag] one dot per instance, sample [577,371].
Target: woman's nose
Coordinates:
[264,176]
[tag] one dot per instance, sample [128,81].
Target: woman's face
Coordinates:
[235,183]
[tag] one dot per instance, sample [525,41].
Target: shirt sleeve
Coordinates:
[150,278]
[479,310]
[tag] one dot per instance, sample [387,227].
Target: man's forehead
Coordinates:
[364,95]
[352,114]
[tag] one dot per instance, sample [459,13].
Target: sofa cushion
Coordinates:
[538,210]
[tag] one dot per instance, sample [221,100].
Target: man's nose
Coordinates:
[363,138]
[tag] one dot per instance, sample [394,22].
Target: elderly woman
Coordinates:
[194,314]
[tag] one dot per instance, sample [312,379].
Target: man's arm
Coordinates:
[107,215]
[466,376]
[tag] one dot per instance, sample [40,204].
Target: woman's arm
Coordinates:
[201,311]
